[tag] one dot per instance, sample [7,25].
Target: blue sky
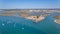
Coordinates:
[25,4]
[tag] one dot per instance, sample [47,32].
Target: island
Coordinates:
[35,18]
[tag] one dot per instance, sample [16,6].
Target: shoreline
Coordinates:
[57,21]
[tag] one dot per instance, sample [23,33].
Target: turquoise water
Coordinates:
[17,25]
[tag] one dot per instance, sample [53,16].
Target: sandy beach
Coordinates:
[57,19]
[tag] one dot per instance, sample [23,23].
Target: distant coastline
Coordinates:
[30,13]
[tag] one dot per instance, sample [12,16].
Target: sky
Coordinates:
[29,4]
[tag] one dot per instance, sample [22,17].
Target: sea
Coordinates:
[20,25]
